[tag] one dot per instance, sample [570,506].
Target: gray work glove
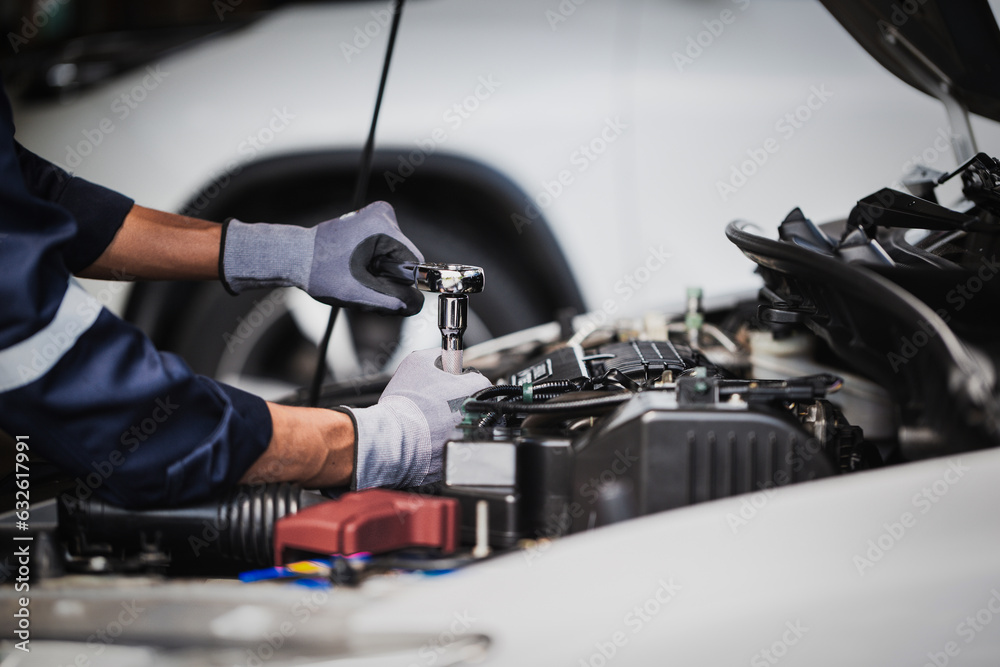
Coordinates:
[329,261]
[400,440]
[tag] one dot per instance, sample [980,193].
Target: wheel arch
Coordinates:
[453,194]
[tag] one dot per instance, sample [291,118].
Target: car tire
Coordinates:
[254,340]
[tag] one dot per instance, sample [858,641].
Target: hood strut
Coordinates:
[963,143]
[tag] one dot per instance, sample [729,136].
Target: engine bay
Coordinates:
[871,343]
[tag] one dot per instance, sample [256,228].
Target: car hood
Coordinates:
[927,43]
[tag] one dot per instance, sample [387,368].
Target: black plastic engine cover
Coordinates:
[525,500]
[652,455]
[644,360]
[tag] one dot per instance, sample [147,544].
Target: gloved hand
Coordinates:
[329,261]
[400,441]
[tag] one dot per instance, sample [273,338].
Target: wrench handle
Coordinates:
[402,272]
[451,361]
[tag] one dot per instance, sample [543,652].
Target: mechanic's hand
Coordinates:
[400,441]
[329,261]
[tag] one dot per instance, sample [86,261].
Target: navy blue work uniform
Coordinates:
[135,426]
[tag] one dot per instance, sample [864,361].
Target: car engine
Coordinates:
[871,343]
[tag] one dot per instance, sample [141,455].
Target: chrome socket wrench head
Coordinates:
[453,283]
[449,278]
[453,314]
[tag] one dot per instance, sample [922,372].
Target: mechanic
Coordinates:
[80,381]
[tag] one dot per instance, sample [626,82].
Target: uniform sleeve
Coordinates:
[98,211]
[133,425]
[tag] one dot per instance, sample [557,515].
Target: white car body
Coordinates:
[550,78]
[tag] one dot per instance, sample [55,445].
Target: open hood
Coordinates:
[941,47]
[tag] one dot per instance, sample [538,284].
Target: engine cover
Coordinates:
[683,432]
[654,455]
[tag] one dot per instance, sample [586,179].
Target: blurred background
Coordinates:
[588,155]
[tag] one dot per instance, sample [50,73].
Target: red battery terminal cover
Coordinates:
[375,520]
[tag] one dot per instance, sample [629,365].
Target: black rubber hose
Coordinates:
[500,390]
[583,405]
[546,395]
[562,386]
[490,418]
[239,526]
[541,391]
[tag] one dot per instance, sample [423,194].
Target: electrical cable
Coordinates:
[360,193]
[583,405]
[539,391]
[497,391]
[542,391]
